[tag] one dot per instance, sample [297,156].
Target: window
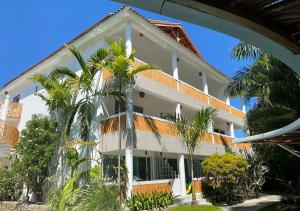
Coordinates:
[216,130]
[197,168]
[138,109]
[117,104]
[16,98]
[165,168]
[141,168]
[110,164]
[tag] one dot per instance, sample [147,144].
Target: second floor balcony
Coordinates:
[161,78]
[160,128]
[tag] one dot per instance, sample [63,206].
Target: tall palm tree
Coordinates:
[122,71]
[69,94]
[60,100]
[191,132]
[266,81]
[82,84]
[275,88]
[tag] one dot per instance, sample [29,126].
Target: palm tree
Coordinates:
[275,88]
[267,81]
[122,71]
[64,87]
[191,132]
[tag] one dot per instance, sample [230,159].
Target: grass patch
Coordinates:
[271,207]
[197,208]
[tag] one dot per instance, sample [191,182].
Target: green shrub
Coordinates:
[37,145]
[144,201]
[10,185]
[224,174]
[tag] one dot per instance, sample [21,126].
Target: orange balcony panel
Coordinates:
[244,146]
[238,113]
[223,140]
[219,104]
[148,188]
[207,138]
[188,90]
[112,124]
[160,77]
[14,110]
[198,184]
[153,125]
[8,133]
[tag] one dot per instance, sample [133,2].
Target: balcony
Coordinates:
[161,127]
[180,86]
[9,134]
[14,110]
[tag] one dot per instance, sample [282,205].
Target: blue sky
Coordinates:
[30,30]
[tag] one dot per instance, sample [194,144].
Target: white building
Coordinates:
[186,83]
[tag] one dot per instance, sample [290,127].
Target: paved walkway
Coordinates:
[253,204]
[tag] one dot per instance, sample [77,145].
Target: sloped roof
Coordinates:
[169,28]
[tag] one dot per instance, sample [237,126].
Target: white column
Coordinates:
[175,69]
[175,66]
[182,174]
[178,110]
[243,104]
[128,40]
[228,100]
[129,118]
[231,130]
[5,107]
[204,82]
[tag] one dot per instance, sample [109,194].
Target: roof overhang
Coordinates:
[273,26]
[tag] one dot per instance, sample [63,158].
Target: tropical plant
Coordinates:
[191,132]
[122,70]
[37,145]
[10,185]
[223,175]
[266,82]
[255,177]
[96,195]
[150,201]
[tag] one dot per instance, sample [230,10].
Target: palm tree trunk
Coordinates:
[194,201]
[120,150]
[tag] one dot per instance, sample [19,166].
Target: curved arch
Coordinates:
[228,22]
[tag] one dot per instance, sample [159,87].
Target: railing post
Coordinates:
[204,82]
[182,175]
[175,68]
[129,118]
[5,107]
[231,127]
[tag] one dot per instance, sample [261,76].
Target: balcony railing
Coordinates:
[167,80]
[162,127]
[9,134]
[187,89]
[14,110]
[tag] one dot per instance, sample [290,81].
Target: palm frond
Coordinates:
[61,72]
[142,68]
[79,58]
[245,50]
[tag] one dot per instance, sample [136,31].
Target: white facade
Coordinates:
[192,76]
